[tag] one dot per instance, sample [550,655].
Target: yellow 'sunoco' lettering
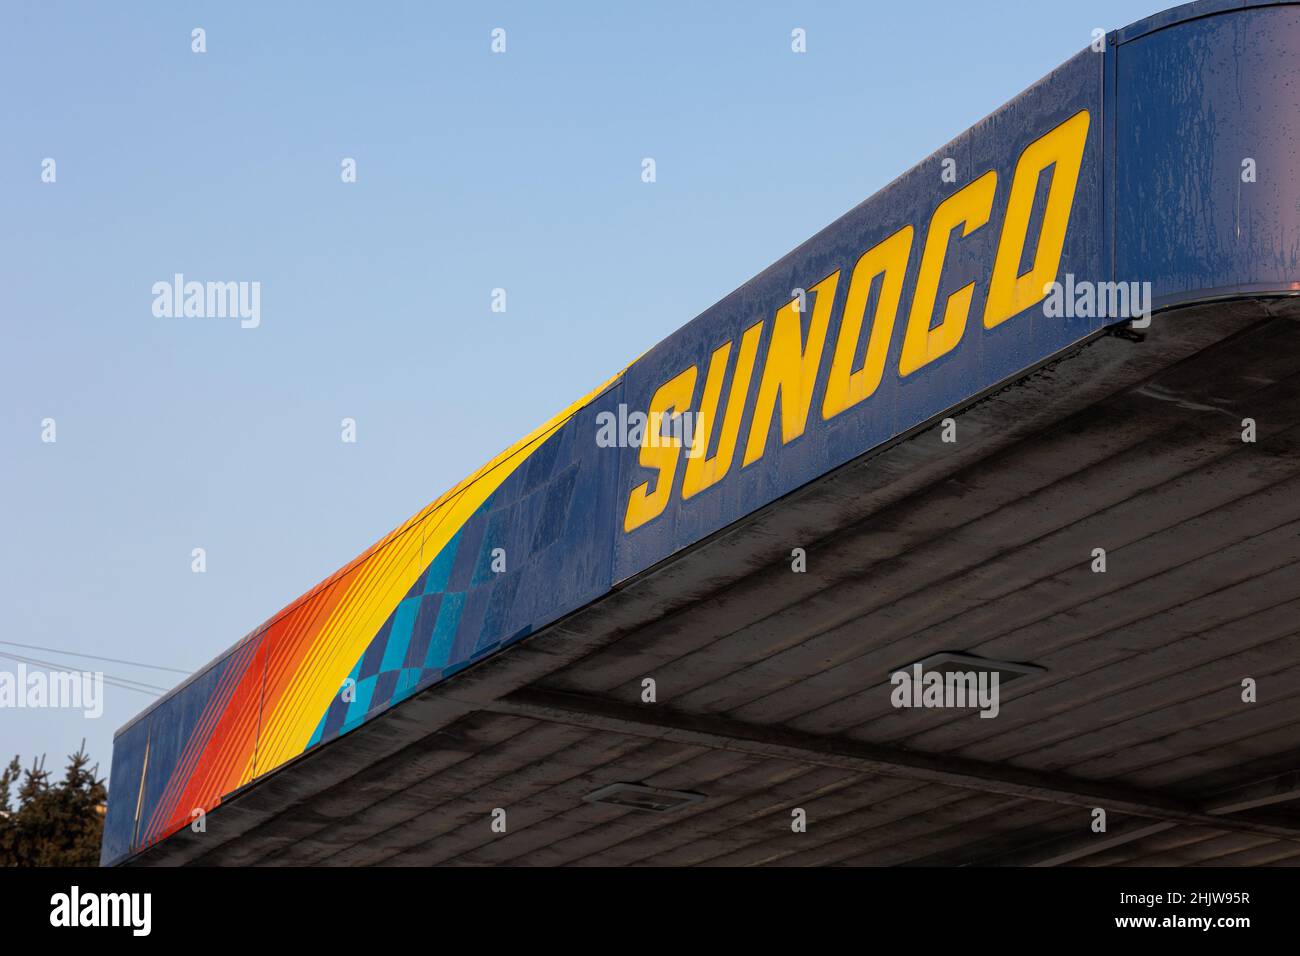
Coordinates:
[791,369]
[1009,292]
[661,456]
[969,208]
[702,471]
[888,259]
[793,362]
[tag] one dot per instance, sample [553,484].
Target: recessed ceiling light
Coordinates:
[949,661]
[636,796]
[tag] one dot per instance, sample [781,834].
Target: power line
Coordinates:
[124,683]
[121,683]
[127,683]
[94,657]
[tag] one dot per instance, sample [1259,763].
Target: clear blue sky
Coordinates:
[475,171]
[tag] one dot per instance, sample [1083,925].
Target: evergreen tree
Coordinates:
[54,823]
[8,827]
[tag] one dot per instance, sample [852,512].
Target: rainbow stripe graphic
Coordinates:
[274,691]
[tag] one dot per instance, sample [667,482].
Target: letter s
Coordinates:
[661,455]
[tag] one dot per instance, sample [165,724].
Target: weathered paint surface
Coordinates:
[1158,127]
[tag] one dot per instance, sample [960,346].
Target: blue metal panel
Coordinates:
[1195,101]
[128,763]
